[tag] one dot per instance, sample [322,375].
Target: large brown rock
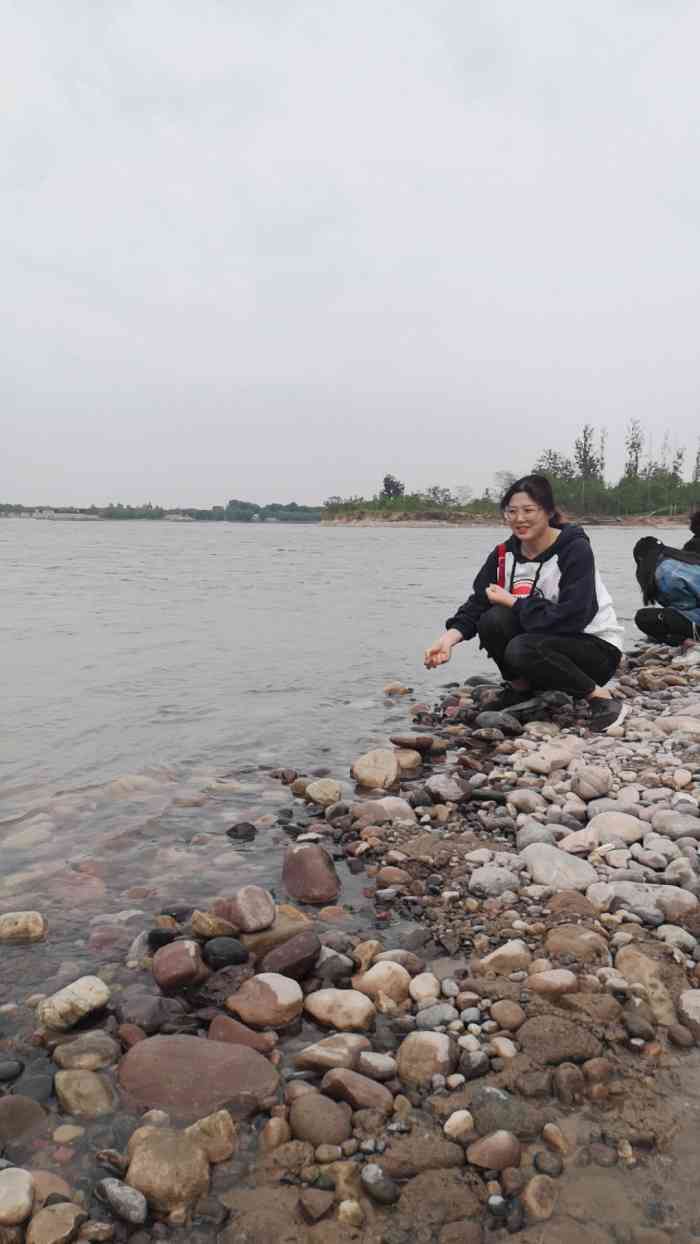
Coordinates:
[84,1094]
[425,1054]
[584,945]
[407,1156]
[341,1050]
[309,874]
[192,1077]
[251,909]
[495,1152]
[342,1008]
[357,1090]
[377,770]
[438,1197]
[233,1032]
[20,1119]
[178,965]
[267,1001]
[295,958]
[170,1169]
[320,1121]
[287,923]
[551,1039]
[56,1224]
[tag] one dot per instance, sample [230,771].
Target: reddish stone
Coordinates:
[359,1091]
[130,1034]
[309,874]
[193,1077]
[251,909]
[178,965]
[233,1032]
[294,958]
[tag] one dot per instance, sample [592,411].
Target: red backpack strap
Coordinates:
[501,565]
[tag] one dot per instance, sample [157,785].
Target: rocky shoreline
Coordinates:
[516,1012]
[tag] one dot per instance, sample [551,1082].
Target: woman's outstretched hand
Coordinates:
[441,651]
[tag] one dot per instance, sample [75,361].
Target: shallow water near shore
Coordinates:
[155,673]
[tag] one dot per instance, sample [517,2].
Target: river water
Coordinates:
[153,673]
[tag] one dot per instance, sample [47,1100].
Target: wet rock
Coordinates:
[193,1076]
[67,1007]
[436,1016]
[508,1015]
[233,1032]
[423,1055]
[325,792]
[88,1052]
[459,1127]
[217,1135]
[377,770]
[582,944]
[16,1196]
[512,956]
[424,987]
[170,1169]
[357,1090]
[127,1203]
[681,1036]
[296,957]
[378,1186]
[56,1224]
[20,1120]
[569,1084]
[639,969]
[242,831]
[319,1121]
[495,1110]
[148,1012]
[492,880]
[551,867]
[444,788]
[288,922]
[267,1001]
[309,874]
[342,1050]
[314,1204]
[689,1011]
[384,978]
[224,952]
[340,1008]
[208,926]
[499,720]
[84,1094]
[408,1156]
[379,1067]
[22,927]
[551,1039]
[495,1152]
[251,909]
[539,1198]
[552,983]
[10,1069]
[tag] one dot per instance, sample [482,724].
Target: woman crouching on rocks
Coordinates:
[541,610]
[669,578]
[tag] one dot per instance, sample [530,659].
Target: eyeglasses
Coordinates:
[528,512]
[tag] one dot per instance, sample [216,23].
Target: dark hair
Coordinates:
[694,523]
[646,554]
[539,488]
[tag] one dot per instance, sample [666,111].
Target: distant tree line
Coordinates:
[652,483]
[234,512]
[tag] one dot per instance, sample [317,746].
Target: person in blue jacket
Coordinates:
[670,580]
[541,610]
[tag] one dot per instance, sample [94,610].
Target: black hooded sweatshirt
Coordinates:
[559,592]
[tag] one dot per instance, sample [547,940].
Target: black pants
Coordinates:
[665,626]
[572,663]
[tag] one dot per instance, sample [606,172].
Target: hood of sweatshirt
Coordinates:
[569,533]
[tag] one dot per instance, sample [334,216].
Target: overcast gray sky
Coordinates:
[274,248]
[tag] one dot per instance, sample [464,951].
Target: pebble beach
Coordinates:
[452,994]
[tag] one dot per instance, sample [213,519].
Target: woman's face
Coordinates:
[527,519]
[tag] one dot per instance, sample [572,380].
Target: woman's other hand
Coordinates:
[441,651]
[499,596]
